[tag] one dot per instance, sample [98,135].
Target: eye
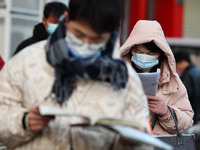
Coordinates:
[79,35]
[154,53]
[97,40]
[138,51]
[151,53]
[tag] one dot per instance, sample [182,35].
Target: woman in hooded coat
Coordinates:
[146,50]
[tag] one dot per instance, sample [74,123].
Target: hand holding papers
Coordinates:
[150,82]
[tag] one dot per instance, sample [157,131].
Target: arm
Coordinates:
[184,114]
[137,105]
[11,104]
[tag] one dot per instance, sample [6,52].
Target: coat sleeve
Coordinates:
[183,111]
[11,104]
[137,104]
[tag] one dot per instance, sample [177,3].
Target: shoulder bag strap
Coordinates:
[179,134]
[155,118]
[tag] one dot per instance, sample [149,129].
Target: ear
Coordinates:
[127,58]
[43,20]
[66,19]
[66,15]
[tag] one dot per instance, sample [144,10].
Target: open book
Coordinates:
[92,120]
[126,128]
[150,82]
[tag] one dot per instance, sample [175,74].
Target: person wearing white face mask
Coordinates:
[52,11]
[81,49]
[75,68]
[146,50]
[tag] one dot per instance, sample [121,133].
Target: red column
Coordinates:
[138,10]
[170,15]
[1,63]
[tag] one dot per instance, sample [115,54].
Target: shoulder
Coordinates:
[132,74]
[25,43]
[35,49]
[134,84]
[30,54]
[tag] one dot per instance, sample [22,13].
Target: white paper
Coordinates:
[138,136]
[150,82]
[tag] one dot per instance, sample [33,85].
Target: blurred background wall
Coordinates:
[179,19]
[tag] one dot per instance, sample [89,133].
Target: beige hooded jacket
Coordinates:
[27,79]
[170,85]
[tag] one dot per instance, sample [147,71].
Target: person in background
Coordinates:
[52,11]
[75,69]
[1,63]
[146,50]
[190,76]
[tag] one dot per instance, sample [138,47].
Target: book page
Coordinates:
[92,120]
[150,82]
[137,136]
[54,111]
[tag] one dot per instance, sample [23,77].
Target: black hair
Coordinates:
[56,9]
[182,55]
[102,15]
[152,47]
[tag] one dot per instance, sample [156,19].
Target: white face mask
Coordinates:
[143,61]
[82,49]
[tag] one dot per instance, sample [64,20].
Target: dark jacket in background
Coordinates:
[191,80]
[39,34]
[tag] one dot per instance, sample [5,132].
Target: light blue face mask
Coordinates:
[143,61]
[52,28]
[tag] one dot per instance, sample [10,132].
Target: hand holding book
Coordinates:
[127,129]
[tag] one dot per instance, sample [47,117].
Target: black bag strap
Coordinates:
[179,134]
[155,118]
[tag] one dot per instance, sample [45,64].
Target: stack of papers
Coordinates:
[150,82]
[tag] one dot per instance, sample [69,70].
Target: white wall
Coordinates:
[191,19]
[17,21]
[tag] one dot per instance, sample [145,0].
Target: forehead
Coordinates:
[85,28]
[141,48]
[52,19]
